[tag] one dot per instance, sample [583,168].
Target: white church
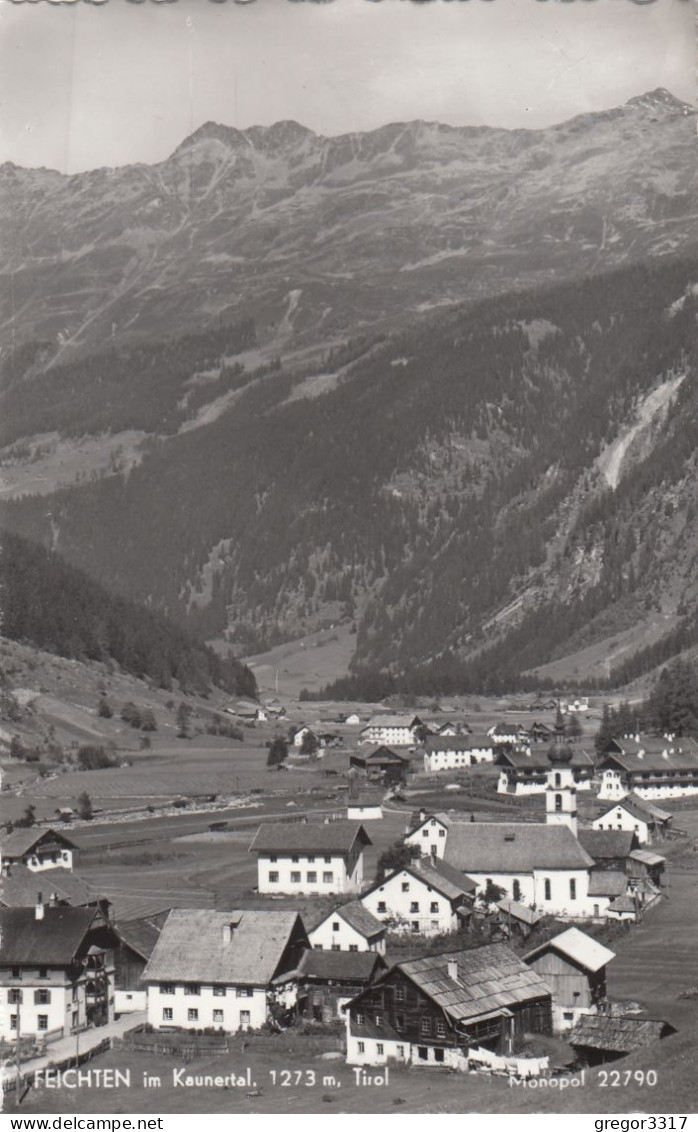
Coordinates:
[541,865]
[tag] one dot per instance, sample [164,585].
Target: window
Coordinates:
[382,906]
[414,906]
[167,1013]
[399,1021]
[405,886]
[414,926]
[440,1028]
[218,1017]
[42,997]
[558,779]
[379,1049]
[360,1019]
[400,1050]
[558,803]
[379,1019]
[42,1021]
[425,833]
[165,988]
[360,1047]
[244,1017]
[273,878]
[192,988]
[14,996]
[573,889]
[13,1021]
[312,878]
[335,925]
[399,994]
[568,1015]
[244,992]
[423,1053]
[193,1015]
[219,992]
[438,1055]
[335,947]
[328,860]
[353,947]
[295,878]
[43,972]
[442,833]
[434,906]
[294,860]
[425,1025]
[547,889]
[328,878]
[516,890]
[311,860]
[16,972]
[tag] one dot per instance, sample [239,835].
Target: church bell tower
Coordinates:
[561,792]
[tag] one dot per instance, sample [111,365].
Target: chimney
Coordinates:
[452,970]
[53,899]
[227,933]
[39,907]
[422,815]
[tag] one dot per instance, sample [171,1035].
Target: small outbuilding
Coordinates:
[574,967]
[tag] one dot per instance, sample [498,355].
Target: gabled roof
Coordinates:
[21,841]
[53,941]
[607,844]
[650,754]
[476,742]
[509,847]
[393,721]
[539,762]
[607,882]
[192,946]
[438,875]
[351,966]
[646,857]
[381,755]
[21,887]
[577,946]
[302,837]
[488,980]
[619,1035]
[140,934]
[519,911]
[640,808]
[358,917]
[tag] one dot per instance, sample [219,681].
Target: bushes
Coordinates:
[94,758]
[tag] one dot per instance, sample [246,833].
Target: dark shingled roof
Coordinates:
[53,941]
[459,743]
[639,808]
[443,877]
[140,935]
[331,837]
[192,947]
[607,882]
[488,979]
[347,966]
[617,1035]
[509,847]
[606,844]
[21,841]
[21,887]
[360,919]
[519,911]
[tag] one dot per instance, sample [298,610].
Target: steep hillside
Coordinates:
[316,238]
[519,471]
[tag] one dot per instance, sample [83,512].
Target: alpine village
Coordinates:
[348,678]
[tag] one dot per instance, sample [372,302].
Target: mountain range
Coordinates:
[434,384]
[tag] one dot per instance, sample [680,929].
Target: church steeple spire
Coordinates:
[561,793]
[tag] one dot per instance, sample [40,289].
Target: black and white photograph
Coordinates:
[348,560]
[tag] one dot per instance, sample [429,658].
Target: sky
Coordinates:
[111,82]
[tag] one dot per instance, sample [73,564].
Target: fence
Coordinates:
[22,1079]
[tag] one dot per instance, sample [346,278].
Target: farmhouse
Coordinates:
[229,970]
[350,927]
[394,730]
[512,734]
[429,1011]
[452,752]
[522,773]
[56,971]
[649,768]
[303,734]
[327,980]
[307,859]
[364,804]
[382,764]
[38,849]
[600,1037]
[429,835]
[426,898]
[634,814]
[574,967]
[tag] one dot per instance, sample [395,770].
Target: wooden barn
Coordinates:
[574,967]
[600,1038]
[329,979]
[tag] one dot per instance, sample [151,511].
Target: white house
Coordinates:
[310,859]
[650,768]
[513,734]
[350,927]
[524,773]
[365,805]
[393,730]
[300,734]
[56,971]
[444,752]
[38,849]
[429,835]
[426,898]
[633,814]
[227,970]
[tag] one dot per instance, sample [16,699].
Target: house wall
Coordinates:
[65,1011]
[453,760]
[342,938]
[616,784]
[533,891]
[243,1008]
[371,812]
[394,903]
[430,838]
[128,1001]
[575,991]
[619,818]
[390,736]
[510,782]
[310,874]
[49,858]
